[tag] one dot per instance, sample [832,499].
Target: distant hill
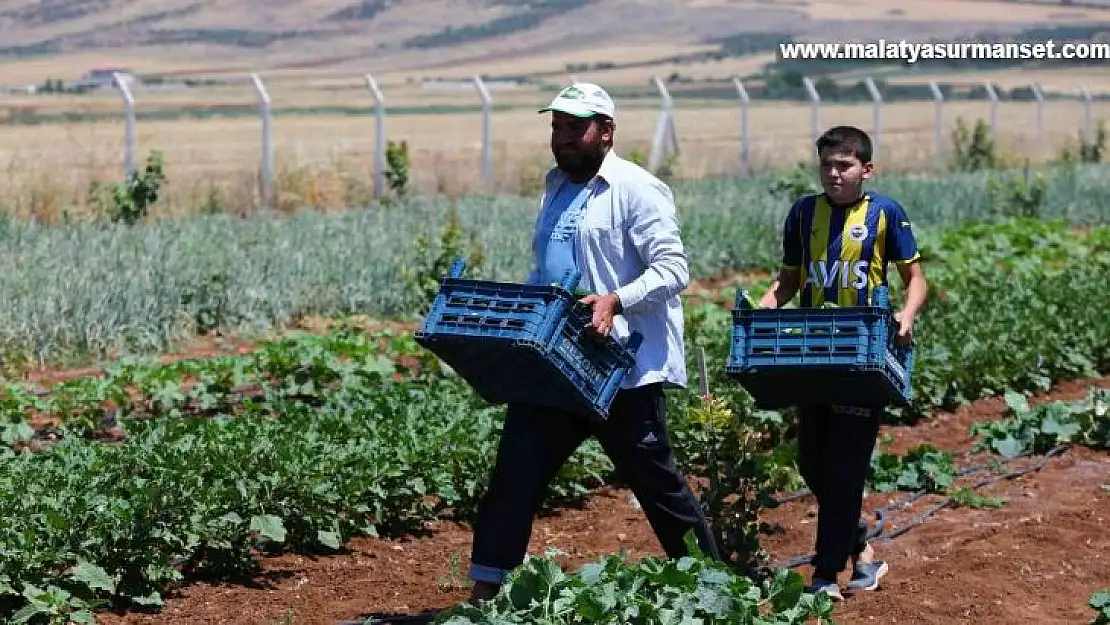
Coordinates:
[389,35]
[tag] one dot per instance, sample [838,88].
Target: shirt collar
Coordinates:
[608,168]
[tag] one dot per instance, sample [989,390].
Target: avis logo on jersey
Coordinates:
[823,274]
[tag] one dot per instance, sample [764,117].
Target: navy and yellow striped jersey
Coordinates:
[843,253]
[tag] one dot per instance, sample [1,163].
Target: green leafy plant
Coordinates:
[398,166]
[1040,428]
[693,589]
[922,468]
[1022,195]
[738,486]
[433,261]
[1085,151]
[795,183]
[129,202]
[1100,603]
[973,148]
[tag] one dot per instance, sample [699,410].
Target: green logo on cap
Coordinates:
[571,93]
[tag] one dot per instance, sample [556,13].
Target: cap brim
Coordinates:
[568,111]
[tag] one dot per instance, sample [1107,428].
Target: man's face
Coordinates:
[578,144]
[842,174]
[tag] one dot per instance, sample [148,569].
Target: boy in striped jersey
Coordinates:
[836,248]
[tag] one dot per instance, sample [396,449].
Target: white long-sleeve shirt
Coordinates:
[628,243]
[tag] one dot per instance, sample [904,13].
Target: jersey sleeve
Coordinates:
[901,245]
[791,240]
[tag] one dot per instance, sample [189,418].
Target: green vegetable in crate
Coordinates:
[751,300]
[577,293]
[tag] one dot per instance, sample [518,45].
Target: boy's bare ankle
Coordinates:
[865,557]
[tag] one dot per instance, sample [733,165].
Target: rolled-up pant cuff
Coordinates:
[487,574]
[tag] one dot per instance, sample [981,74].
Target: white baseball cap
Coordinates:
[583,99]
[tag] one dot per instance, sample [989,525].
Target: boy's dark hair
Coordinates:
[856,140]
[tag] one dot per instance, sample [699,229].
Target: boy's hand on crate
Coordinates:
[768,301]
[605,307]
[905,329]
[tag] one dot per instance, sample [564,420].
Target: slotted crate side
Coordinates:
[784,357]
[509,372]
[899,372]
[791,336]
[515,342]
[807,336]
[480,308]
[595,367]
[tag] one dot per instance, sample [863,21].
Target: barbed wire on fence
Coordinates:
[665,141]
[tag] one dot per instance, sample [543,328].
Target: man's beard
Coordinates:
[581,162]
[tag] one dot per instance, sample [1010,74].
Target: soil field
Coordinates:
[1037,559]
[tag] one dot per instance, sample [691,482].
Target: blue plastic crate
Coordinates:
[526,343]
[800,356]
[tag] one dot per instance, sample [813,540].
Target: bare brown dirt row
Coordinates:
[209,346]
[1035,560]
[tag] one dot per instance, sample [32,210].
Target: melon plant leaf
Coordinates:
[269,526]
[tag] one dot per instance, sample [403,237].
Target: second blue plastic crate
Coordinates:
[798,356]
[525,343]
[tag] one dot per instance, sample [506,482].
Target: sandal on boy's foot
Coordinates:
[866,575]
[831,589]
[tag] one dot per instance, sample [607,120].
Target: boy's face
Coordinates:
[842,174]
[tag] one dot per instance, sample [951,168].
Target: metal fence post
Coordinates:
[266,188]
[877,98]
[379,135]
[664,131]
[1088,123]
[486,175]
[1038,94]
[938,116]
[129,123]
[815,107]
[745,127]
[993,96]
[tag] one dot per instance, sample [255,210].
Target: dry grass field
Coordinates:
[324,159]
[1097,79]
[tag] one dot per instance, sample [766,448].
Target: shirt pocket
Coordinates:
[602,223]
[604,239]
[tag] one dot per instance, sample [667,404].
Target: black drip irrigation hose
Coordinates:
[878,534]
[396,619]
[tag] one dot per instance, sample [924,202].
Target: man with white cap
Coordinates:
[616,224]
